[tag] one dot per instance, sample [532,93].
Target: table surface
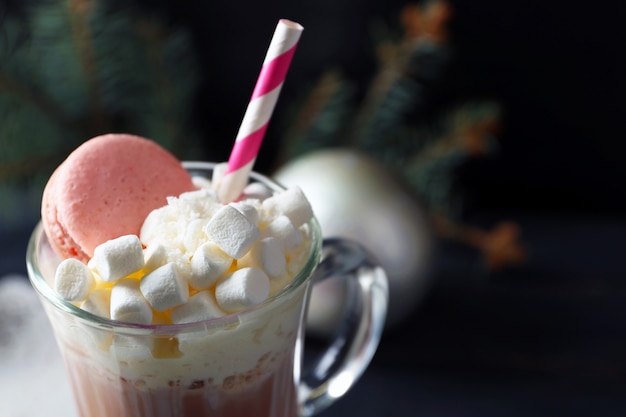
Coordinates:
[547,338]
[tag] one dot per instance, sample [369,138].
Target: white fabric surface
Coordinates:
[32,378]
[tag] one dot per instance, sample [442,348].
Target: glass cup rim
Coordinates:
[48,294]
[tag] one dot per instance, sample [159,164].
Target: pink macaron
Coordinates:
[105,189]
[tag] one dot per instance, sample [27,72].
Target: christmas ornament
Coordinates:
[355,197]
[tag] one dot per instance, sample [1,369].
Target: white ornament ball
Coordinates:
[355,197]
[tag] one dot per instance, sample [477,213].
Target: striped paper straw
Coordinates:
[259,110]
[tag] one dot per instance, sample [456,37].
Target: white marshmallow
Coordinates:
[160,224]
[247,210]
[282,229]
[201,306]
[267,254]
[232,231]
[178,225]
[192,197]
[117,258]
[244,288]
[98,303]
[165,287]
[207,264]
[218,173]
[194,235]
[127,303]
[201,182]
[199,202]
[257,190]
[155,255]
[73,280]
[291,203]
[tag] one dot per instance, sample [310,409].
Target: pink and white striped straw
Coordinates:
[259,110]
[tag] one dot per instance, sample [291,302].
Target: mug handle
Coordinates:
[336,370]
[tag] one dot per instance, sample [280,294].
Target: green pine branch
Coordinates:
[320,121]
[393,122]
[71,70]
[84,69]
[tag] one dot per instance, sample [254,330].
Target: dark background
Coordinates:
[556,67]
[547,338]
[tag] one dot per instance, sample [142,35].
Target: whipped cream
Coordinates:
[188,275]
[240,254]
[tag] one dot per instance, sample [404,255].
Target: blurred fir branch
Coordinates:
[70,70]
[82,69]
[391,122]
[409,67]
[320,121]
[467,132]
[394,123]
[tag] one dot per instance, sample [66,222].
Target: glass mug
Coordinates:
[240,365]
